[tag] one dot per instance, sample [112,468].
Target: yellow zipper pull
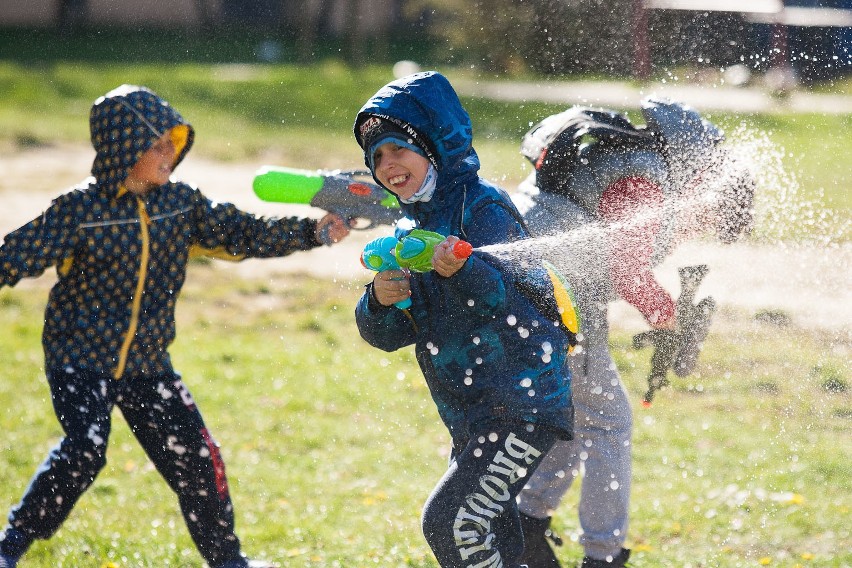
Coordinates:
[143,213]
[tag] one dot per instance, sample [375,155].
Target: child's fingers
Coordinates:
[339,229]
[391,286]
[332,228]
[446,263]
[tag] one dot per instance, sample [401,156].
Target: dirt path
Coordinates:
[811,286]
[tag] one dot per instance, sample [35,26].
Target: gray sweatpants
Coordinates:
[600,450]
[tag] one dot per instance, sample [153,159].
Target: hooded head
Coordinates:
[376,131]
[421,112]
[124,124]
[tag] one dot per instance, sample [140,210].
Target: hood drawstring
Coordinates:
[462,232]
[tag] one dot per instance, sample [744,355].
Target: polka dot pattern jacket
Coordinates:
[121,258]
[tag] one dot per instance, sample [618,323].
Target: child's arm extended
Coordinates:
[224,231]
[48,240]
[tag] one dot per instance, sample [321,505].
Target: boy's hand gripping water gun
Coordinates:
[414,252]
[347,193]
[678,350]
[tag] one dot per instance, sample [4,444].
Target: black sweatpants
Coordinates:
[471,519]
[163,417]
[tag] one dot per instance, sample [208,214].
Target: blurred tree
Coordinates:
[206,16]
[548,36]
[582,36]
[358,26]
[313,22]
[491,35]
[72,15]
[699,39]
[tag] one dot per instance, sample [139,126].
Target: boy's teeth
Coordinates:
[397,179]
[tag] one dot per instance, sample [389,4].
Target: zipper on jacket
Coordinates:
[144,222]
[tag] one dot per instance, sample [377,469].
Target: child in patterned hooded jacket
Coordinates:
[492,356]
[121,242]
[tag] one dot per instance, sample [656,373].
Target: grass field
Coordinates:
[332,447]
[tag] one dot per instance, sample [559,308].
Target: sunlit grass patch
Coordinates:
[332,446]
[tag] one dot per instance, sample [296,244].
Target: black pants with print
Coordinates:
[163,417]
[471,519]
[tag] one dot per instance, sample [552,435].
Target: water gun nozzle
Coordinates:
[463,249]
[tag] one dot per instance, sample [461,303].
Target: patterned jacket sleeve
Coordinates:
[223,230]
[45,241]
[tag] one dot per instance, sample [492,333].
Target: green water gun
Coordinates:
[352,194]
[415,250]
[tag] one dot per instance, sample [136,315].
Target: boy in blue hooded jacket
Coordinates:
[120,242]
[489,344]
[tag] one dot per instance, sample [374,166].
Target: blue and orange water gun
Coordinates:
[414,252]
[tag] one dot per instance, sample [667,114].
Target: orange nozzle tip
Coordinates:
[463,249]
[646,404]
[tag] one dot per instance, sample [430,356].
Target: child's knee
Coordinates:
[86,454]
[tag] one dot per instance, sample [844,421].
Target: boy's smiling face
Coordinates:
[153,167]
[399,169]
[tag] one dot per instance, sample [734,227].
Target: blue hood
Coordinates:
[426,105]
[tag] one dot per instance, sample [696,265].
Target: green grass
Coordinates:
[332,446]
